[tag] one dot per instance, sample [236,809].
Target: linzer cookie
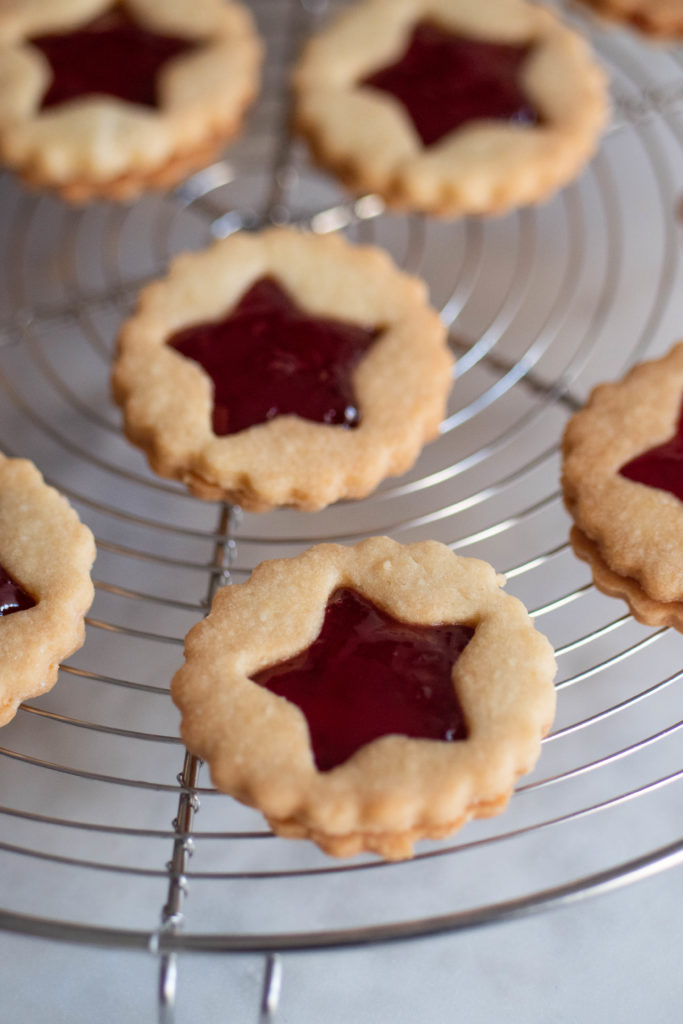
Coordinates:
[623,484]
[45,588]
[367,697]
[662,18]
[283,369]
[106,99]
[451,106]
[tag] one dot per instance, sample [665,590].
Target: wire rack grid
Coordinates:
[111,834]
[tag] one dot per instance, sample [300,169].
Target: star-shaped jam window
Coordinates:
[445,80]
[112,55]
[661,466]
[268,357]
[369,675]
[13,597]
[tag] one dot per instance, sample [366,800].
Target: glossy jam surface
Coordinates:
[270,358]
[660,467]
[444,81]
[111,55]
[368,675]
[13,597]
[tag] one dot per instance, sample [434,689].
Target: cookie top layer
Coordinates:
[48,552]
[102,144]
[395,789]
[637,528]
[400,383]
[367,137]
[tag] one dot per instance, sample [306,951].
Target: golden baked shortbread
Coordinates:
[106,98]
[659,18]
[367,697]
[45,589]
[622,478]
[283,368]
[451,107]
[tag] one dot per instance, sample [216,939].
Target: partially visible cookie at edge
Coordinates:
[84,129]
[643,608]
[620,454]
[46,554]
[661,19]
[484,166]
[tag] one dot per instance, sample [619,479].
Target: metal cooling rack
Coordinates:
[540,305]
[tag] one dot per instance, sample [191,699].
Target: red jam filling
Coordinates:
[444,81]
[660,467]
[270,358]
[13,597]
[111,55]
[368,675]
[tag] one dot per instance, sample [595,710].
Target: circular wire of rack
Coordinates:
[97,792]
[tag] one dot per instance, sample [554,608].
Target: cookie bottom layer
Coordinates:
[389,845]
[528,186]
[643,607]
[129,186]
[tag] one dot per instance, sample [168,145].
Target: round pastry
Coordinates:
[662,18]
[45,589]
[451,106]
[623,486]
[366,697]
[102,98]
[282,368]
